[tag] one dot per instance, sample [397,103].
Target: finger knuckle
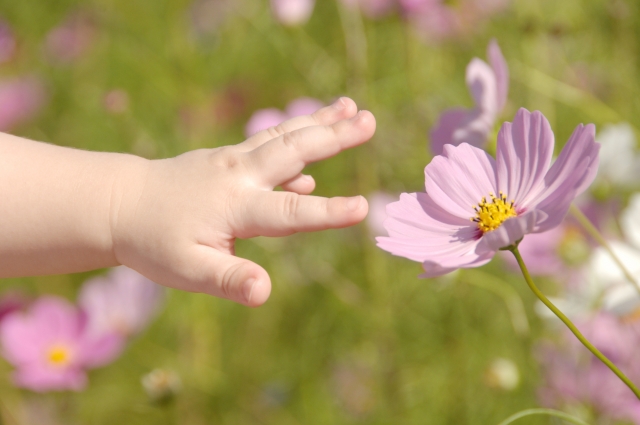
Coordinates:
[276,131]
[229,282]
[290,140]
[290,206]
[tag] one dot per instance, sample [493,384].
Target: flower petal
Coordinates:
[523,156]
[459,179]
[570,175]
[481,81]
[501,71]
[512,230]
[422,231]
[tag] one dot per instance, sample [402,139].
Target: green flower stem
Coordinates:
[549,412]
[595,234]
[571,326]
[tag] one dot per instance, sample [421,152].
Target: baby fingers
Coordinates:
[341,109]
[284,213]
[284,157]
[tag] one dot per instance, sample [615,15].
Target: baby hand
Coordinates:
[176,220]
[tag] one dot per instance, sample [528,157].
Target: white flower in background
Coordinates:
[503,374]
[292,12]
[123,301]
[606,279]
[161,384]
[619,161]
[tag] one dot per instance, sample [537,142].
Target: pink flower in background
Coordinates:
[292,12]
[474,204]
[20,100]
[12,301]
[575,378]
[540,252]
[437,20]
[489,87]
[265,118]
[372,8]
[50,347]
[378,202]
[7,42]
[70,40]
[432,19]
[124,302]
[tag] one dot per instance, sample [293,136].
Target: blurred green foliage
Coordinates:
[350,334]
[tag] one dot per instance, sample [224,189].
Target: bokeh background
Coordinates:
[350,335]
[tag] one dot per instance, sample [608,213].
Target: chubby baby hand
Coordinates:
[176,220]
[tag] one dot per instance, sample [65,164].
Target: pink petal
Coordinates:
[540,252]
[20,100]
[501,71]
[459,179]
[482,84]
[433,269]
[41,379]
[523,156]
[448,123]
[21,340]
[422,231]
[96,352]
[570,175]
[303,106]
[263,119]
[292,12]
[512,230]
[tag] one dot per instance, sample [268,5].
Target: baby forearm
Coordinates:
[57,206]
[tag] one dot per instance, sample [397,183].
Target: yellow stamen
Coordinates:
[58,355]
[489,216]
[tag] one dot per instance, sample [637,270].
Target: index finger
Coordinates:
[342,108]
[281,159]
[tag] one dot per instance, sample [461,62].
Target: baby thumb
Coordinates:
[226,276]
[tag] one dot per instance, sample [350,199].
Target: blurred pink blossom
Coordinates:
[540,252]
[575,377]
[265,118]
[436,20]
[489,87]
[71,39]
[372,8]
[378,202]
[124,302]
[50,347]
[292,12]
[116,101]
[20,100]
[11,302]
[7,42]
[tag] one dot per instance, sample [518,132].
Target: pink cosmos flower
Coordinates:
[124,302]
[20,100]
[292,12]
[372,8]
[432,19]
[473,204]
[50,347]
[265,118]
[7,42]
[489,86]
[71,39]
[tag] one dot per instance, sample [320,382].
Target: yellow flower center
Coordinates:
[58,355]
[490,215]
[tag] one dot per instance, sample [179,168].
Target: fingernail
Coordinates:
[339,104]
[247,289]
[354,203]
